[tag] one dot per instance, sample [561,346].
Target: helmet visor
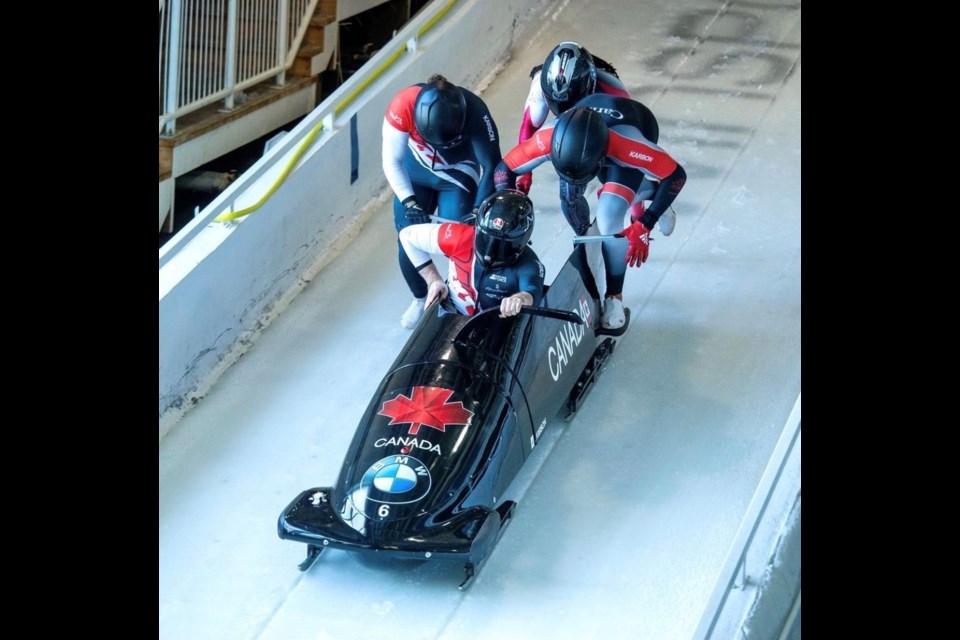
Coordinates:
[580,176]
[558,106]
[449,144]
[493,251]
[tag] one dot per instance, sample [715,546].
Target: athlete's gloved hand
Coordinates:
[415,214]
[524,182]
[639,236]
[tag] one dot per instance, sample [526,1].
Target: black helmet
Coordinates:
[579,145]
[504,226]
[568,75]
[439,114]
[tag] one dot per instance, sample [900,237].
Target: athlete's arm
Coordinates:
[394,148]
[419,242]
[523,158]
[535,110]
[486,146]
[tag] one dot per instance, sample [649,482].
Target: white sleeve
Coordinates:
[419,241]
[394,148]
[536,103]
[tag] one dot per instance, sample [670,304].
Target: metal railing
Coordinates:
[367,79]
[300,140]
[211,50]
[736,558]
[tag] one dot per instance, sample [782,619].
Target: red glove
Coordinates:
[524,181]
[639,237]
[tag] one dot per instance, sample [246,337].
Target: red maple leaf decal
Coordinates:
[428,407]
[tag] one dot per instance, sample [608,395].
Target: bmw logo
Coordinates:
[397,479]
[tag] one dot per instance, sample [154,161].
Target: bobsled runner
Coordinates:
[449,427]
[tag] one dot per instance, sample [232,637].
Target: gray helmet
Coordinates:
[568,75]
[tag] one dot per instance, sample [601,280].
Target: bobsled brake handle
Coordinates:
[556,314]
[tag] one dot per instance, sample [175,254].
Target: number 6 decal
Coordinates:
[383,511]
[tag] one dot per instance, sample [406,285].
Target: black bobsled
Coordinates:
[450,425]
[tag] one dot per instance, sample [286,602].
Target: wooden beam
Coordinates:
[213,116]
[166,159]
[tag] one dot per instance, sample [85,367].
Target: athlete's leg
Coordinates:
[412,277]
[574,206]
[454,202]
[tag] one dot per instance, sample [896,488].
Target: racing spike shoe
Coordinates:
[612,317]
[412,315]
[667,221]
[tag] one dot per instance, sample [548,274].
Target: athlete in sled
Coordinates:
[428,473]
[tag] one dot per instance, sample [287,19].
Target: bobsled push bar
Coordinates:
[466,220]
[586,239]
